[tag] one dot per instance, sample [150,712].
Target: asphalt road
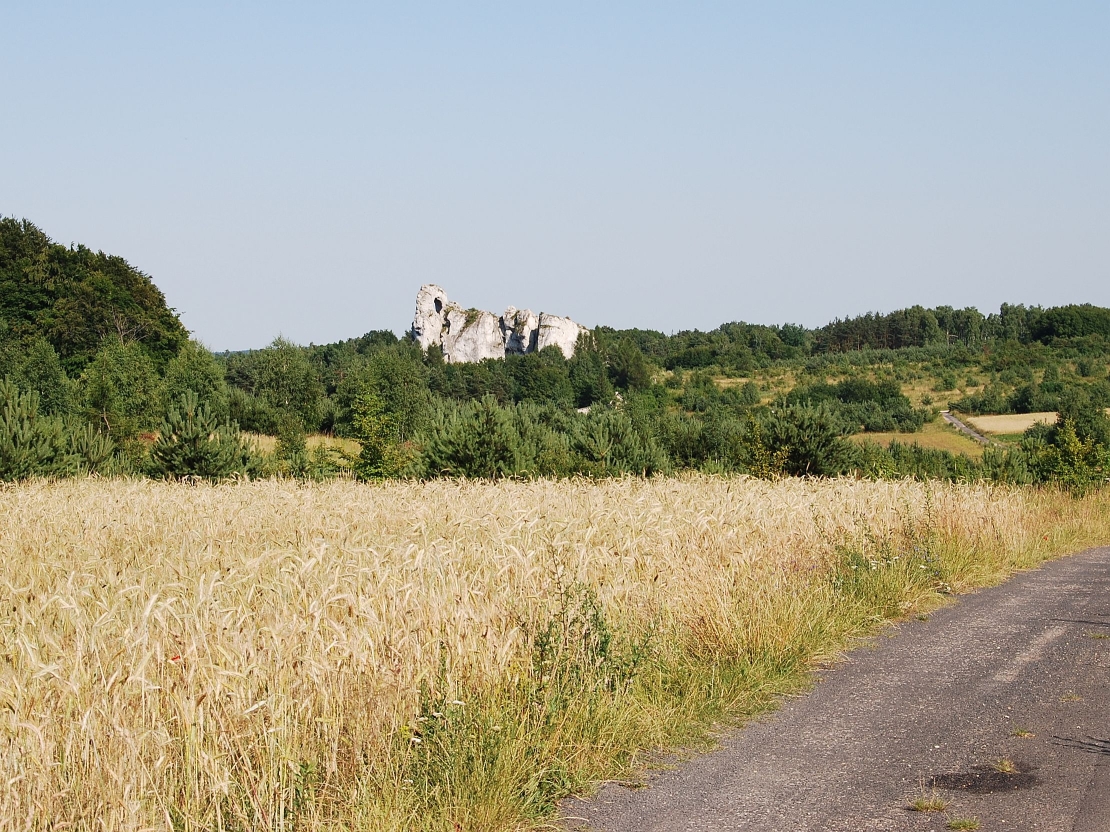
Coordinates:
[929,705]
[962,427]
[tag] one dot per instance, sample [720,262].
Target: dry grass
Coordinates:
[267,444]
[963,823]
[937,434]
[773,379]
[268,654]
[931,802]
[1009,423]
[725,382]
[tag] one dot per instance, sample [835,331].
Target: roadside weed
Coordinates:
[931,802]
[963,823]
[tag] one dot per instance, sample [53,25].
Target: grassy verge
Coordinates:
[938,435]
[442,656]
[502,761]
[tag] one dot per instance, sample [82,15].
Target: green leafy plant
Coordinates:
[285,380]
[195,368]
[382,455]
[74,297]
[120,387]
[454,749]
[42,373]
[761,460]
[291,453]
[1064,457]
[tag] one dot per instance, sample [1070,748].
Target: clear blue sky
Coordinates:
[303,168]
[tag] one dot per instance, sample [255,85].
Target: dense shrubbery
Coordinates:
[101,376]
[861,404]
[610,410]
[34,443]
[486,439]
[1026,395]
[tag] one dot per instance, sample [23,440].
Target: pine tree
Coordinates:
[479,442]
[31,444]
[94,449]
[607,442]
[811,437]
[192,443]
[588,376]
[628,368]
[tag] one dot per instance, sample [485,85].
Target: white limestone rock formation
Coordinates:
[467,335]
[520,329]
[473,336]
[560,332]
[432,312]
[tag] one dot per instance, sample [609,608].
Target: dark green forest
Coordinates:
[99,375]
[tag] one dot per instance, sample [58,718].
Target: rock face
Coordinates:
[472,335]
[557,331]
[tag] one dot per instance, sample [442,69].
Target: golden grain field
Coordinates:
[1009,423]
[247,655]
[1012,423]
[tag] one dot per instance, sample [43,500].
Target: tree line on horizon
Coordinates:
[100,375]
